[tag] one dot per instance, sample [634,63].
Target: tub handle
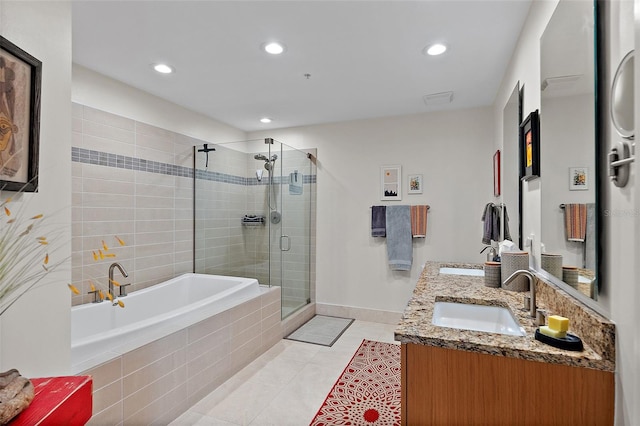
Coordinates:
[282,238]
[123,290]
[96,296]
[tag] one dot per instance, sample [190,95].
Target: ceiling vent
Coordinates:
[438,98]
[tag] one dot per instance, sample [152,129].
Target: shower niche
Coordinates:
[254,215]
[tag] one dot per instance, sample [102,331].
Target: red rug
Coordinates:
[368,391]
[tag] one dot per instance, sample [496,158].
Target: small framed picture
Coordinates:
[578,178]
[415,184]
[391,183]
[530,147]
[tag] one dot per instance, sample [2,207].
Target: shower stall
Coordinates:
[254,215]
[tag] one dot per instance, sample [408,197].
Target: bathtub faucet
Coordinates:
[122,271]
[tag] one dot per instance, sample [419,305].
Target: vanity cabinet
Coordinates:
[454,387]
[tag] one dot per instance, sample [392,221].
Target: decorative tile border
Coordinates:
[99,158]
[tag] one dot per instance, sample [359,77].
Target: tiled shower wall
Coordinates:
[221,200]
[135,181]
[224,246]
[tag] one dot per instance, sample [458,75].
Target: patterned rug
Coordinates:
[368,391]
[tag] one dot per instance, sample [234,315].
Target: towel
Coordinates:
[295,183]
[491,219]
[419,221]
[507,234]
[575,221]
[399,244]
[378,221]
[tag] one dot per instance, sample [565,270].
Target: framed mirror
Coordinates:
[511,197]
[569,141]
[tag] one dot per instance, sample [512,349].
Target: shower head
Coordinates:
[268,163]
[262,157]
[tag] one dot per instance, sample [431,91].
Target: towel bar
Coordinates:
[428,207]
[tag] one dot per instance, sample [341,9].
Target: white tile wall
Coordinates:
[132,180]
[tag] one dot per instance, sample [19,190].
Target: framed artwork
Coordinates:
[20,84]
[578,178]
[415,184]
[496,174]
[391,183]
[530,141]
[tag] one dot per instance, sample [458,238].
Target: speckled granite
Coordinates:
[596,332]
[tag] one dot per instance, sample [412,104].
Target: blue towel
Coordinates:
[399,243]
[295,183]
[378,221]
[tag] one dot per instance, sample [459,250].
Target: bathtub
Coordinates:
[100,331]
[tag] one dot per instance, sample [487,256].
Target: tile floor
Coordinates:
[286,385]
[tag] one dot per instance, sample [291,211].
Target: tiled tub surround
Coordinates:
[100,332]
[596,331]
[157,382]
[135,181]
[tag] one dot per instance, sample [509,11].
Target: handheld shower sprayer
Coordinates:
[269,166]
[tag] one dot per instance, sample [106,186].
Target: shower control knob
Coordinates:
[275,217]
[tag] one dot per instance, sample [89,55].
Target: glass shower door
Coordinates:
[291,236]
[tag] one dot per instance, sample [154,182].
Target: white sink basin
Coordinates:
[462,271]
[490,319]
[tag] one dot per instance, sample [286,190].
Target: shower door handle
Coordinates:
[288,240]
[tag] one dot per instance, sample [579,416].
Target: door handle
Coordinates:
[288,240]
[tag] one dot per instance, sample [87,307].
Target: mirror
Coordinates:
[511,117]
[568,146]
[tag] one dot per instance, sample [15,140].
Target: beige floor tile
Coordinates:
[278,371]
[194,419]
[286,385]
[245,403]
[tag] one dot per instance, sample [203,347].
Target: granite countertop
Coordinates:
[416,326]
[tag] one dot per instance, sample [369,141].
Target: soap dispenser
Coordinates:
[491,254]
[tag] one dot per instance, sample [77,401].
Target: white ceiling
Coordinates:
[365,57]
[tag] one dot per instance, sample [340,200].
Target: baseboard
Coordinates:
[362,314]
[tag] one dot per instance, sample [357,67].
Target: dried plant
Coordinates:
[23,245]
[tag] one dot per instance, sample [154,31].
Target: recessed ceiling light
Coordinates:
[163,68]
[435,49]
[265,120]
[273,48]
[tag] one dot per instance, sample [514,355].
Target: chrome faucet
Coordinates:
[122,271]
[532,288]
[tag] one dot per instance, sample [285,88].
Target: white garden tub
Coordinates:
[100,331]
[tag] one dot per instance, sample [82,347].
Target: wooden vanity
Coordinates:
[464,377]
